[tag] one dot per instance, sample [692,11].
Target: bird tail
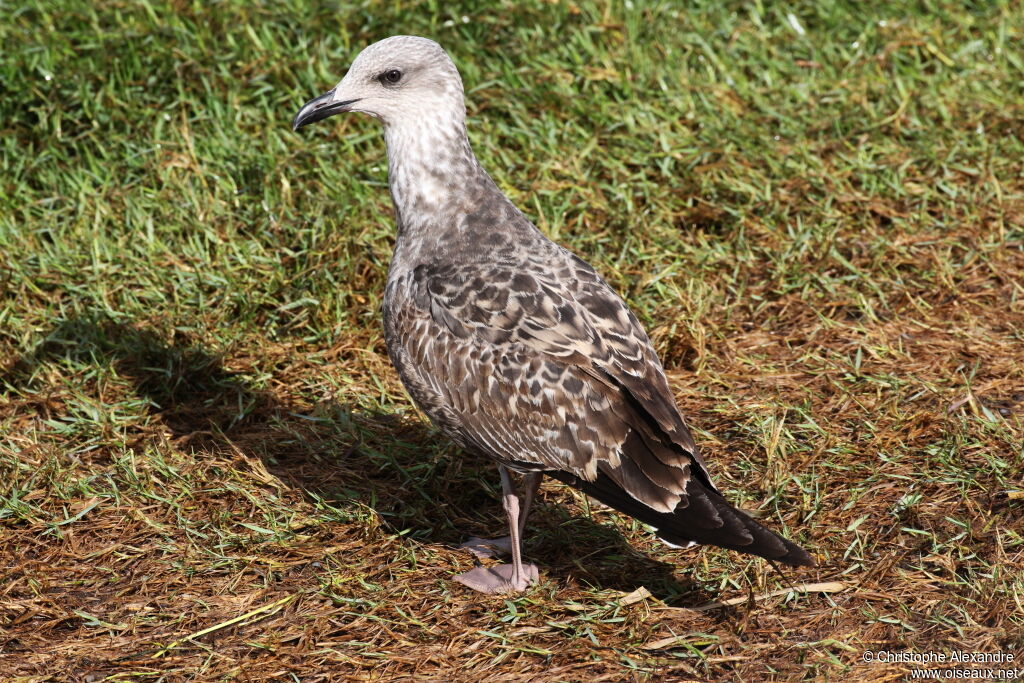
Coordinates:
[705,517]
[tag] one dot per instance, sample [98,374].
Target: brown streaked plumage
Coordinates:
[515,347]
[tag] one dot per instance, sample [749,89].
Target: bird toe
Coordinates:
[500,579]
[488,548]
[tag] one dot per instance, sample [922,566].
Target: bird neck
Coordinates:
[433,172]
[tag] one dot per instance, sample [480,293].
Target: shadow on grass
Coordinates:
[417,483]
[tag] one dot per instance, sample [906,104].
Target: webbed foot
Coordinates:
[499,579]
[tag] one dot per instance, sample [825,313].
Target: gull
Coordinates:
[511,344]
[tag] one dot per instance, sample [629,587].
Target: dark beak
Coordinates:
[320,108]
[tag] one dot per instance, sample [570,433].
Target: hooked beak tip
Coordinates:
[320,108]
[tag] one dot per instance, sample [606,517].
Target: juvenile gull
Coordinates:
[514,346]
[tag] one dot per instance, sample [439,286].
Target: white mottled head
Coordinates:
[412,85]
[399,80]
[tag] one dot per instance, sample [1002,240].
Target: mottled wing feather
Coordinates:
[546,368]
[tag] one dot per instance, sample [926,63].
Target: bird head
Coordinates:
[398,79]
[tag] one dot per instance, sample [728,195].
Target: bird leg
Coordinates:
[505,578]
[521,577]
[502,547]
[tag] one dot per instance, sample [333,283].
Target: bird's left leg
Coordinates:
[504,578]
[502,547]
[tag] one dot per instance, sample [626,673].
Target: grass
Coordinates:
[208,468]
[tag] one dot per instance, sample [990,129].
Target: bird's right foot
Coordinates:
[499,579]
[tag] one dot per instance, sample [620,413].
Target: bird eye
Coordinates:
[390,77]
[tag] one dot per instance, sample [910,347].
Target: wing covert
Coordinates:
[543,370]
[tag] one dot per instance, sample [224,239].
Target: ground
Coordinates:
[209,470]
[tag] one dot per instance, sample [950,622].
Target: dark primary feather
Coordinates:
[707,519]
